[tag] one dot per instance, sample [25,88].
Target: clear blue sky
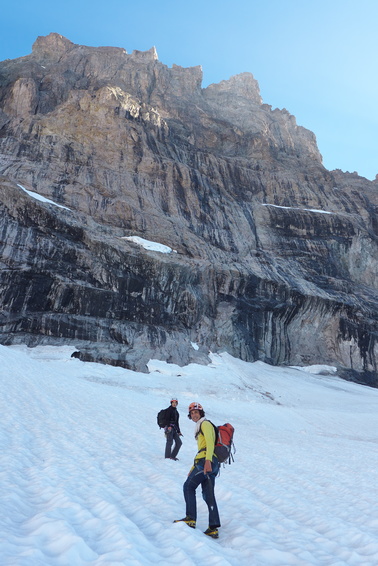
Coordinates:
[316,58]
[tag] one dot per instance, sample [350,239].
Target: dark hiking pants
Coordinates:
[207,481]
[172,435]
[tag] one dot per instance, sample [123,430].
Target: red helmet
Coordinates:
[174,400]
[195,406]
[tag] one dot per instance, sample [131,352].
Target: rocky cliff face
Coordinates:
[276,256]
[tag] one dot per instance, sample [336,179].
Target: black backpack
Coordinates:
[162,418]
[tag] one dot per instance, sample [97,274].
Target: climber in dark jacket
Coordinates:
[172,431]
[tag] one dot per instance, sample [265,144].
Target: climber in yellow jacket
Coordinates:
[203,471]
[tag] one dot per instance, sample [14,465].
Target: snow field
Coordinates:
[83,479]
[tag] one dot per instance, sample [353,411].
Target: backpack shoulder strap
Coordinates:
[215,430]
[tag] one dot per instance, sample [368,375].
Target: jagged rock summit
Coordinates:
[275,258]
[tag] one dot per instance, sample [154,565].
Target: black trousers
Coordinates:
[172,435]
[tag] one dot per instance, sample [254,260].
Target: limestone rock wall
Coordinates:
[276,256]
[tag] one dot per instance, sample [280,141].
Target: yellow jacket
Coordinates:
[205,442]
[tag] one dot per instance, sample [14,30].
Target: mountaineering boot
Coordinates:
[175,459]
[188,521]
[213,533]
